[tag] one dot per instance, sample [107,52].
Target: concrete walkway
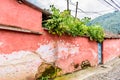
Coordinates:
[108,71]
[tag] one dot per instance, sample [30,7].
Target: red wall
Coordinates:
[67,51]
[74,50]
[14,41]
[111,49]
[13,13]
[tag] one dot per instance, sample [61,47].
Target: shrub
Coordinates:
[61,23]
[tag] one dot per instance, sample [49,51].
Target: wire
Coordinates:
[117,1]
[75,5]
[89,12]
[104,3]
[115,4]
[111,5]
[86,12]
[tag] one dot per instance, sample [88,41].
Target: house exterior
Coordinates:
[24,44]
[21,43]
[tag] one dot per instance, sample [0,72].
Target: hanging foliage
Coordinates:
[61,23]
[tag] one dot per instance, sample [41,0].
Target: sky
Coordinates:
[86,8]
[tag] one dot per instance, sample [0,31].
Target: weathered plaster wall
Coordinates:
[15,41]
[19,65]
[18,54]
[22,53]
[111,49]
[65,51]
[13,13]
[72,51]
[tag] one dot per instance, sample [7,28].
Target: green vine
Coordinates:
[61,23]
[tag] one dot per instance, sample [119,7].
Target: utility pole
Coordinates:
[76,10]
[68,5]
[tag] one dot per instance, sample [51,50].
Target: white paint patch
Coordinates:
[1,43]
[93,52]
[21,65]
[54,50]
[74,50]
[118,49]
[17,57]
[48,52]
[21,71]
[66,49]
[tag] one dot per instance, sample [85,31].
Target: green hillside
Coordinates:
[110,22]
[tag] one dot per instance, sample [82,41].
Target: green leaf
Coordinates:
[63,23]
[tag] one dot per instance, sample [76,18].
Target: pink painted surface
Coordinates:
[65,51]
[111,49]
[72,51]
[15,41]
[13,13]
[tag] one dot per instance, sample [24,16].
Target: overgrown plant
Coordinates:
[96,33]
[61,23]
[44,78]
[47,72]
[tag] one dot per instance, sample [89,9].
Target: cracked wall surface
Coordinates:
[21,53]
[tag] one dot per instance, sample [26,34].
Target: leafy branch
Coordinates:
[61,23]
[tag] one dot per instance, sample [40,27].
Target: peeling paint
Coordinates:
[93,52]
[66,49]
[19,71]
[17,57]
[20,53]
[18,65]
[47,52]
[64,54]
[118,49]
[1,43]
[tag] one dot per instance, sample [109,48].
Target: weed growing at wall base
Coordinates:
[61,23]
